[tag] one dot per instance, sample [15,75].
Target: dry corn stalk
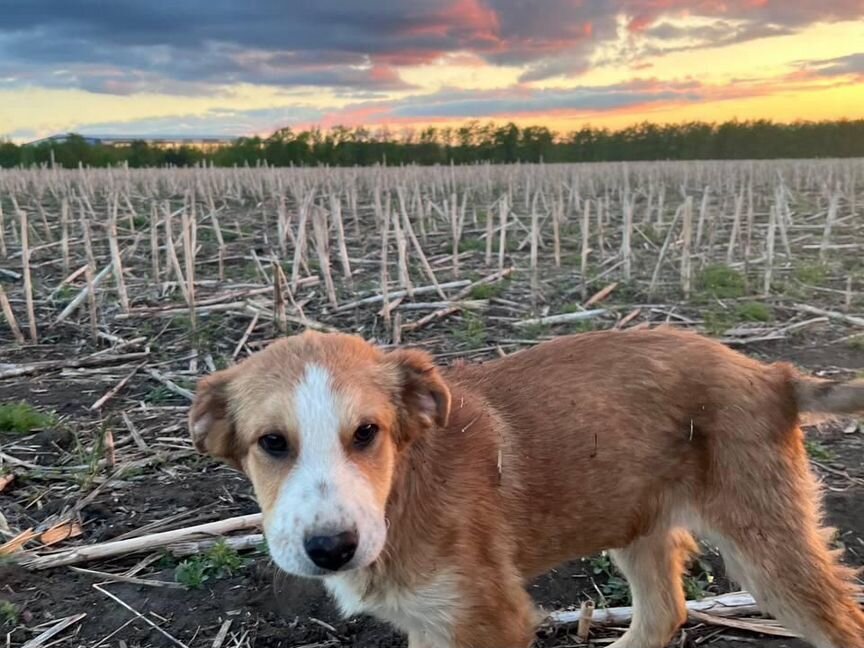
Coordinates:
[10,317]
[25,265]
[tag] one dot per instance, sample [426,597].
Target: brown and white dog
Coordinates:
[428,498]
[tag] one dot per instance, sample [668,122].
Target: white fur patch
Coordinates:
[324,494]
[427,613]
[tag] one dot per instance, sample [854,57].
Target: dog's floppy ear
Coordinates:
[424,394]
[210,423]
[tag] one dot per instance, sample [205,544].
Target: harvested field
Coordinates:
[121,288]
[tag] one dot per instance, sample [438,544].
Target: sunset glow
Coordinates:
[249,69]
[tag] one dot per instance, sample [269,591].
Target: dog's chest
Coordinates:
[427,611]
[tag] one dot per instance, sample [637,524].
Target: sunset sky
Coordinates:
[225,67]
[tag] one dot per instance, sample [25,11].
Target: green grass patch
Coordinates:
[856,343]
[472,333]
[88,453]
[222,362]
[754,312]
[230,235]
[721,281]
[220,561]
[717,322]
[817,451]
[811,273]
[582,326]
[22,418]
[472,245]
[65,293]
[160,395]
[534,331]
[615,590]
[488,290]
[191,573]
[698,580]
[224,559]
[207,332]
[8,614]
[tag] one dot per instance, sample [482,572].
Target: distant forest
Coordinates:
[475,142]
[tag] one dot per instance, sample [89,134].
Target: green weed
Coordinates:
[817,451]
[220,561]
[473,330]
[65,293]
[721,281]
[615,590]
[192,573]
[754,312]
[488,290]
[811,273]
[224,560]
[472,245]
[856,343]
[230,235]
[22,418]
[698,580]
[717,322]
[8,614]
[534,331]
[160,395]
[88,456]
[222,362]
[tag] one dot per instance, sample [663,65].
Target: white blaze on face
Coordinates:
[324,494]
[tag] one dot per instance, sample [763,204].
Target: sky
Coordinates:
[226,67]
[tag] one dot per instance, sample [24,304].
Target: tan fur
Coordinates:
[495,473]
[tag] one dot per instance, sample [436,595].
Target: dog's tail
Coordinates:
[829,396]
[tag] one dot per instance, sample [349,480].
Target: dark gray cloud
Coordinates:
[194,46]
[126,46]
[458,104]
[576,100]
[852,64]
[720,32]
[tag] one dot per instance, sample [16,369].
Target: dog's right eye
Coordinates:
[274,444]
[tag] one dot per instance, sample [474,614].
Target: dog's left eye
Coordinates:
[274,445]
[365,435]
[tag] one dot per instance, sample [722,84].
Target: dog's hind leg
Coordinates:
[654,565]
[771,536]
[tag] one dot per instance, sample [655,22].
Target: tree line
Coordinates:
[472,142]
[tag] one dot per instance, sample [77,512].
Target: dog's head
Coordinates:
[318,422]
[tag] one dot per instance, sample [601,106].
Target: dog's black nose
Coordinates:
[331,551]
